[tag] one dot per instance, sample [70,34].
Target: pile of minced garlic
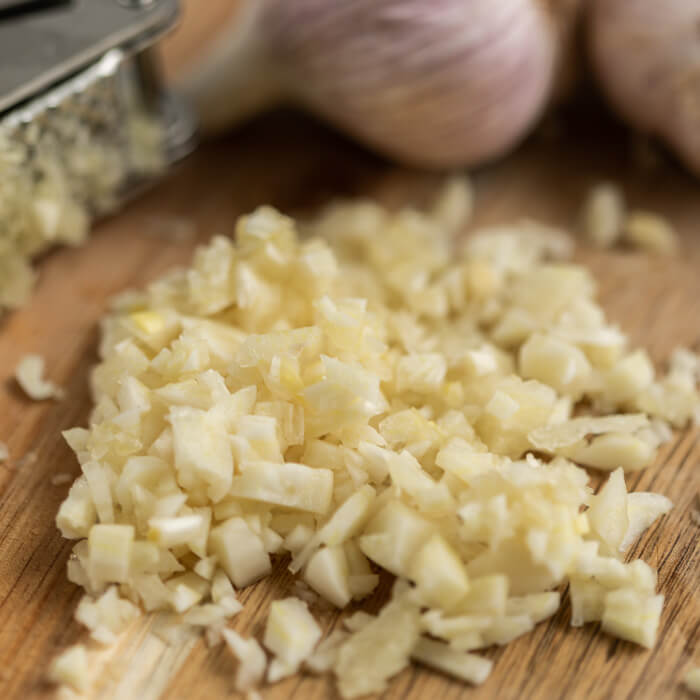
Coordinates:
[370,395]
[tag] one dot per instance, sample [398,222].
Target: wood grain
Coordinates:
[296,164]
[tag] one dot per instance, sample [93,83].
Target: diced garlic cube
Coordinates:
[328,574]
[466,667]
[349,518]
[439,573]
[487,595]
[555,362]
[378,650]
[239,551]
[144,557]
[462,459]
[106,616]
[251,660]
[288,484]
[291,633]
[109,548]
[154,594]
[421,373]
[77,514]
[628,377]
[514,410]
[99,479]
[607,514]
[205,567]
[603,214]
[143,470]
[631,615]
[221,587]
[298,538]
[361,585]
[171,532]
[202,450]
[587,600]
[71,667]
[643,509]
[394,535]
[407,474]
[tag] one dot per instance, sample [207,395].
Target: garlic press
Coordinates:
[81,102]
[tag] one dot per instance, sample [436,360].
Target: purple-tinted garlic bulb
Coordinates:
[646,56]
[430,82]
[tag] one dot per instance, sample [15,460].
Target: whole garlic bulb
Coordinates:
[430,82]
[646,55]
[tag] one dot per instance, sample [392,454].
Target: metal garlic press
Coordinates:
[81,100]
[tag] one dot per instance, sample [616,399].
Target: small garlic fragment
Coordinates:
[71,667]
[651,232]
[467,667]
[29,374]
[251,659]
[291,633]
[603,214]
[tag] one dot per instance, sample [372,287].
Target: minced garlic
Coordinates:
[361,398]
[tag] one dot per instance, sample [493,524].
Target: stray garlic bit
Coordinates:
[651,233]
[603,214]
[70,668]
[30,376]
[369,397]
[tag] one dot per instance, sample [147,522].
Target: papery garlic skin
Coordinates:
[646,58]
[434,84]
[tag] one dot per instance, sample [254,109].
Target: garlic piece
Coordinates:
[239,551]
[378,650]
[291,633]
[439,574]
[603,214]
[607,513]
[633,616]
[651,233]
[466,667]
[251,660]
[328,574]
[30,376]
[109,552]
[643,509]
[71,667]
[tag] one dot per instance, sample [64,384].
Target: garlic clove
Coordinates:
[645,55]
[448,85]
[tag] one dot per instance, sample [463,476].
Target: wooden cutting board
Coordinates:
[296,164]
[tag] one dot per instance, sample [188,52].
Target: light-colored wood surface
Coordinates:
[295,165]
